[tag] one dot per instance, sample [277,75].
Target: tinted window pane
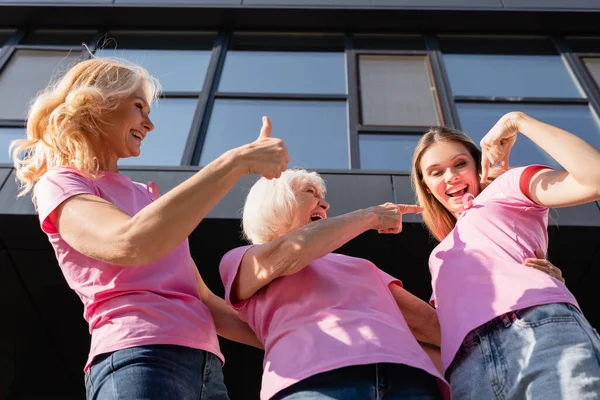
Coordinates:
[172,120]
[27,72]
[7,135]
[177,70]
[584,44]
[389,42]
[4,35]
[397,90]
[315,133]
[509,75]
[501,44]
[284,72]
[387,152]
[59,38]
[478,119]
[593,65]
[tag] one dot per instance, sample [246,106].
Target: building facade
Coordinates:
[349,85]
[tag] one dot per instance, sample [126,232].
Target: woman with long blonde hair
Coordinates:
[123,248]
[508,332]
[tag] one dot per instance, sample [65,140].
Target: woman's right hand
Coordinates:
[389,216]
[266,156]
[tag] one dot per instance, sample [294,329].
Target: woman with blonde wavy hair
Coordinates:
[123,248]
[507,332]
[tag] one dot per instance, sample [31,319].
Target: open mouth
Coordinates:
[315,217]
[458,191]
[137,135]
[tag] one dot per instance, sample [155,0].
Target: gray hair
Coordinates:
[270,204]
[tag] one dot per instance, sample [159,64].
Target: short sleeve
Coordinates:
[230,264]
[510,184]
[55,187]
[387,278]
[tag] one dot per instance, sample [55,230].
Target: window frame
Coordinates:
[214,94]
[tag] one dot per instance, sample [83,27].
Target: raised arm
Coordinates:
[111,235]
[578,184]
[227,322]
[291,252]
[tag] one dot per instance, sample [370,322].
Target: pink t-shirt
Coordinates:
[477,271]
[336,312]
[157,303]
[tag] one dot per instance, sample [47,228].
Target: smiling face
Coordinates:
[126,127]
[449,172]
[310,205]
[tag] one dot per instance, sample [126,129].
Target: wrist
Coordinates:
[370,218]
[234,161]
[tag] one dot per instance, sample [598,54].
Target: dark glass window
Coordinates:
[397,90]
[506,67]
[315,132]
[59,37]
[477,119]
[4,35]
[172,118]
[388,42]
[7,135]
[387,152]
[179,61]
[593,66]
[284,72]
[28,72]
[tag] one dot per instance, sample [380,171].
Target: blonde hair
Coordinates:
[270,204]
[63,124]
[438,220]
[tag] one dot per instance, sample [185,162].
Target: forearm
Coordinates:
[161,226]
[420,317]
[291,252]
[580,159]
[229,325]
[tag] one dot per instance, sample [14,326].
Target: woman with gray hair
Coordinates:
[333,326]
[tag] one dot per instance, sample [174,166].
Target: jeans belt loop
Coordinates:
[507,319]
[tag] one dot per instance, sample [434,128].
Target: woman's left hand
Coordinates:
[542,264]
[498,142]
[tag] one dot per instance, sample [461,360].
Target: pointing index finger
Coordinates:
[409,209]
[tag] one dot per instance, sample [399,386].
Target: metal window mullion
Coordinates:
[392,130]
[13,123]
[519,100]
[352,111]
[442,83]
[17,36]
[195,142]
[280,96]
[585,80]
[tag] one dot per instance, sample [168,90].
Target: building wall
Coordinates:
[350,85]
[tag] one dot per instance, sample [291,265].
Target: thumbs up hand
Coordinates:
[266,156]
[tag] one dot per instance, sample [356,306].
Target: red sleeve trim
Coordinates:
[526,176]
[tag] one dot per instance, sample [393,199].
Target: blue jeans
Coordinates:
[544,352]
[365,382]
[162,372]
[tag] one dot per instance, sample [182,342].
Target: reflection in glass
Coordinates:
[284,72]
[177,70]
[510,75]
[28,72]
[593,65]
[7,135]
[164,145]
[478,119]
[386,152]
[397,91]
[314,132]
